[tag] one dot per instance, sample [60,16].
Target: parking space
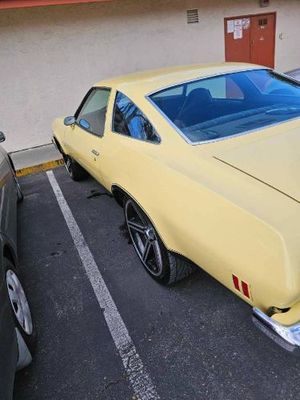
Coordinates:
[196,340]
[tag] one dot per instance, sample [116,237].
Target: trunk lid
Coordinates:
[274,160]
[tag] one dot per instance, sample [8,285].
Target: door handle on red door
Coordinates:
[95,152]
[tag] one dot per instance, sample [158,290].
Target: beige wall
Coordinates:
[50,56]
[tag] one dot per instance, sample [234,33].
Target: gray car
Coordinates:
[294,73]
[17,333]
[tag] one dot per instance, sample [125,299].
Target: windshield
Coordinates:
[227,105]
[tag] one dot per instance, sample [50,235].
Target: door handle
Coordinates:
[95,152]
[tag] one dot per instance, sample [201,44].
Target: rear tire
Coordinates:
[76,172]
[180,268]
[20,306]
[161,264]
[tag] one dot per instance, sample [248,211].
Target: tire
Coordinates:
[163,266]
[20,306]
[76,172]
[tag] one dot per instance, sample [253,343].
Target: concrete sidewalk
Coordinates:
[36,159]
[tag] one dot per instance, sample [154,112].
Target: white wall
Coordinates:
[50,56]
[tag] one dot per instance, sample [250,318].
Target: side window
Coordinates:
[130,121]
[91,116]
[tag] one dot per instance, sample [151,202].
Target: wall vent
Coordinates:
[193,16]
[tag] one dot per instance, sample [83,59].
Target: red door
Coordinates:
[263,40]
[251,39]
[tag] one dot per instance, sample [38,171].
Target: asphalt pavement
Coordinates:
[196,339]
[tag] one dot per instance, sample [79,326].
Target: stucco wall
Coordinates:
[50,56]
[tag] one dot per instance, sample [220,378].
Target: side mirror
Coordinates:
[69,121]
[2,137]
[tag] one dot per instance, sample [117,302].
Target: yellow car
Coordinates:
[205,161]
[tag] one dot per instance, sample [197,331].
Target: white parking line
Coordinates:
[139,378]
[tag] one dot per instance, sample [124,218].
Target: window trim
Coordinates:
[93,88]
[185,138]
[131,137]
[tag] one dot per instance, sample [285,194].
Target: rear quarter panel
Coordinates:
[195,219]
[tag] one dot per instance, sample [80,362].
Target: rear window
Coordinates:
[230,104]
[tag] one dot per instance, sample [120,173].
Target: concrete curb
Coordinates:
[39,168]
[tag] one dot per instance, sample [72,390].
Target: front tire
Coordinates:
[76,172]
[160,263]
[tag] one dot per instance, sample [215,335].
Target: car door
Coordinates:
[84,137]
[128,136]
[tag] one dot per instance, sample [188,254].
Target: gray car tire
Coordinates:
[20,306]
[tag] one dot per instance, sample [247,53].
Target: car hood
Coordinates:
[273,160]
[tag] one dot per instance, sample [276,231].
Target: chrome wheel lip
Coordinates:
[68,164]
[19,190]
[19,302]
[18,187]
[144,240]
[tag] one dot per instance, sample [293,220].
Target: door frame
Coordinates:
[249,16]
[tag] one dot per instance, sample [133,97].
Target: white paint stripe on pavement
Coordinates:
[140,380]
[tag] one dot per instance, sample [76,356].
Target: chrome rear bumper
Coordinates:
[287,337]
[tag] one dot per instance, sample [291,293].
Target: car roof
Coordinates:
[154,80]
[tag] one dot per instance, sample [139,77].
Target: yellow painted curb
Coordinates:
[39,168]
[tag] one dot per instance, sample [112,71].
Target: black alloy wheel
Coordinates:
[160,263]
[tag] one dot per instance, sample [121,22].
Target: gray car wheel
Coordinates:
[19,302]
[20,306]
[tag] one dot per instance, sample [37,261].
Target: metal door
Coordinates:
[263,40]
[251,39]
